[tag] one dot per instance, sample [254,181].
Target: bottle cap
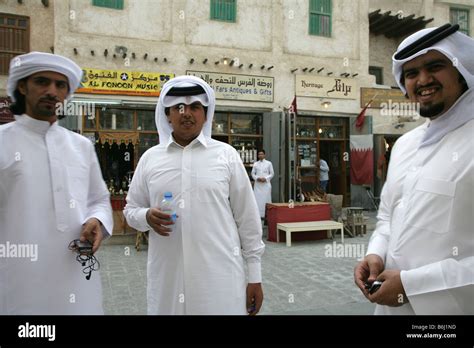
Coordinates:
[168,195]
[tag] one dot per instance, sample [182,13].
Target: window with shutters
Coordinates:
[116,4]
[14,39]
[320,13]
[378,73]
[460,16]
[224,10]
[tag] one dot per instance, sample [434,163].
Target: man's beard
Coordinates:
[44,111]
[431,111]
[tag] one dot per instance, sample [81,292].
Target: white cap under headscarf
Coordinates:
[31,63]
[458,47]
[206,99]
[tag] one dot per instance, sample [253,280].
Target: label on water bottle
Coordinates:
[171,214]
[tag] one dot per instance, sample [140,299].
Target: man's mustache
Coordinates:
[49,99]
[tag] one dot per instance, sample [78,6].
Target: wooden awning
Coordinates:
[395,25]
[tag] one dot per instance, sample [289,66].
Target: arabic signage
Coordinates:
[238,87]
[382,96]
[325,87]
[123,82]
[5,114]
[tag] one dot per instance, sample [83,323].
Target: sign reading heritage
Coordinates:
[325,87]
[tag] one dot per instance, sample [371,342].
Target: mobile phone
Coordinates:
[375,286]
[83,247]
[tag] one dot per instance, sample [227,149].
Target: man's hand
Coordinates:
[158,221]
[254,298]
[262,179]
[367,271]
[391,293]
[92,232]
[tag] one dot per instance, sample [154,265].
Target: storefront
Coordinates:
[121,135]
[321,135]
[326,138]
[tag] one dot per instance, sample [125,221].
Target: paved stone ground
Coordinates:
[297,280]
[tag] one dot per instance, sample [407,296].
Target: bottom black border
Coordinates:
[137,330]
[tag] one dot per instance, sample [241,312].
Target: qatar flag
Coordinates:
[362,159]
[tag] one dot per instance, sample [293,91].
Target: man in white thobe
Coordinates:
[262,174]
[323,174]
[200,267]
[423,246]
[51,192]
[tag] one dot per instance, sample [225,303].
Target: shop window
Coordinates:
[220,124]
[320,17]
[90,122]
[116,119]
[246,124]
[460,16]
[333,129]
[116,4]
[247,148]
[224,10]
[14,39]
[242,131]
[146,120]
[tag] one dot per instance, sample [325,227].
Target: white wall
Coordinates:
[251,31]
[140,19]
[265,33]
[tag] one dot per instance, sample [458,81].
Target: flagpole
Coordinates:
[294,157]
[289,154]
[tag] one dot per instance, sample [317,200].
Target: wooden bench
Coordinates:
[306,226]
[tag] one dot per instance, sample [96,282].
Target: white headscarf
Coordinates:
[162,124]
[31,63]
[458,47]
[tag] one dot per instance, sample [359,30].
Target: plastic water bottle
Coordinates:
[167,206]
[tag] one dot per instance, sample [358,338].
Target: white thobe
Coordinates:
[262,190]
[199,268]
[426,217]
[323,170]
[50,184]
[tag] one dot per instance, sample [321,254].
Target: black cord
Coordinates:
[86,259]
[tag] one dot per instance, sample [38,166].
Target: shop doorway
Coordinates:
[332,151]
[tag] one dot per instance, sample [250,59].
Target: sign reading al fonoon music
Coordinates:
[138,83]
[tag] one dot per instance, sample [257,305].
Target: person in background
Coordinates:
[262,174]
[323,174]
